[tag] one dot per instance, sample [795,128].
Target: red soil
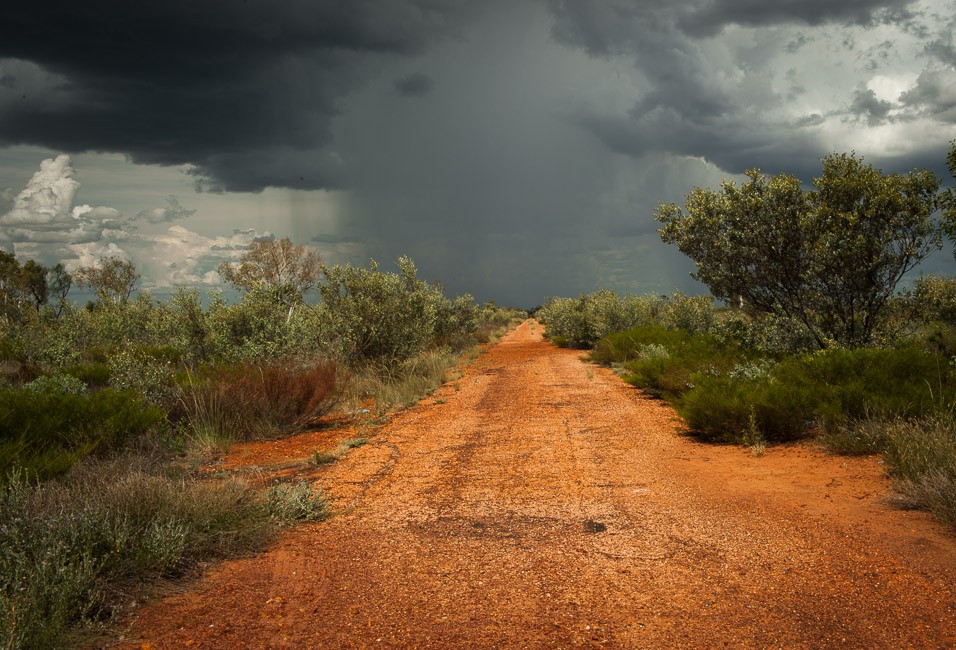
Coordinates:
[541,502]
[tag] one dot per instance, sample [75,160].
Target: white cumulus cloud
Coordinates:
[45,211]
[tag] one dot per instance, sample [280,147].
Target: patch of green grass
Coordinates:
[405,385]
[296,502]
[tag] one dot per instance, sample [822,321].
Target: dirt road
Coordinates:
[540,502]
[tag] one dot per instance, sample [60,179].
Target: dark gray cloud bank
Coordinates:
[514,149]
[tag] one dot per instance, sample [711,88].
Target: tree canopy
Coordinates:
[291,268]
[112,279]
[829,257]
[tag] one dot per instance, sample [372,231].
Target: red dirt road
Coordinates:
[544,503]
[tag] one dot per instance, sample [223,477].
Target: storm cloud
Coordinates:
[514,149]
[243,92]
[734,98]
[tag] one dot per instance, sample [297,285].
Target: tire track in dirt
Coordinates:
[543,503]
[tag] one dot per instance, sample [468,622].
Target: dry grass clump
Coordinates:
[251,401]
[920,454]
[405,384]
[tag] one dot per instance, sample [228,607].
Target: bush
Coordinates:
[665,361]
[766,334]
[57,384]
[94,375]
[385,318]
[71,549]
[621,347]
[935,297]
[255,329]
[253,401]
[47,432]
[146,372]
[728,409]
[581,322]
[694,314]
[827,389]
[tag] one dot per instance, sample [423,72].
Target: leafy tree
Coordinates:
[829,258]
[59,283]
[112,279]
[379,317]
[949,198]
[33,279]
[292,268]
[11,285]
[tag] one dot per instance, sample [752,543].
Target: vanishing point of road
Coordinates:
[538,501]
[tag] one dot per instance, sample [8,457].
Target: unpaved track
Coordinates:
[543,503]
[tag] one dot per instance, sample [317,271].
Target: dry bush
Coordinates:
[254,401]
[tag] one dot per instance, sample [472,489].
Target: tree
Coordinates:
[829,258]
[59,283]
[112,279]
[34,284]
[292,268]
[949,198]
[10,283]
[379,317]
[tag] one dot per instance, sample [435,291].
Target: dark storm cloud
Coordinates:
[414,85]
[240,90]
[934,94]
[604,26]
[867,106]
[708,18]
[734,145]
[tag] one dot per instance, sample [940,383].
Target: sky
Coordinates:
[515,149]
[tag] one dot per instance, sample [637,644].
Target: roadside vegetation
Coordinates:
[811,338]
[107,409]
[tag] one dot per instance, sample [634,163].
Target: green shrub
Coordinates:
[694,314]
[70,550]
[94,374]
[255,329]
[827,389]
[61,384]
[581,322]
[47,432]
[935,297]
[383,319]
[621,347]
[146,372]
[665,361]
[907,381]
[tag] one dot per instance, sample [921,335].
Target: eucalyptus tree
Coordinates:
[291,269]
[828,257]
